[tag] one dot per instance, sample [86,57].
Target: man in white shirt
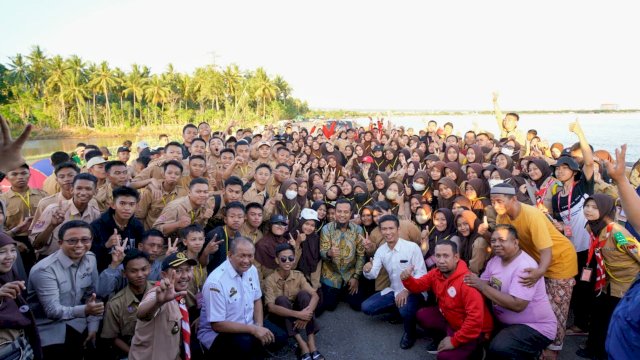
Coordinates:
[231,320]
[395,255]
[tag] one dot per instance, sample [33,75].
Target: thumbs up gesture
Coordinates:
[92,307]
[407,273]
[113,239]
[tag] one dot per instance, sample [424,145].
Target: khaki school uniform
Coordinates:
[149,209]
[20,206]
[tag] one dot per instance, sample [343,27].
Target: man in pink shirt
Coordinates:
[524,313]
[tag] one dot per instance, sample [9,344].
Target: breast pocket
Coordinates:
[14,216]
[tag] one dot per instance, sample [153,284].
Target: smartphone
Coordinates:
[550,217]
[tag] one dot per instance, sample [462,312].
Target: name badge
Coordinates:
[586,274]
[452,292]
[567,231]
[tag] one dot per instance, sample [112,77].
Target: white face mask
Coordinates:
[418,186]
[391,195]
[422,219]
[508,152]
[291,194]
[494,182]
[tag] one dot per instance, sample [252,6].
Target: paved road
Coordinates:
[346,334]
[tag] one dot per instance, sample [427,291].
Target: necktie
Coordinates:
[186,328]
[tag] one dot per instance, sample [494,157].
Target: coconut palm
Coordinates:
[265,89]
[55,84]
[156,92]
[103,79]
[134,86]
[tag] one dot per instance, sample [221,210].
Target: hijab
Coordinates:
[310,257]
[457,169]
[477,168]
[477,150]
[319,187]
[266,249]
[286,207]
[466,242]
[545,169]
[606,208]
[447,203]
[302,200]
[315,206]
[482,192]
[446,153]
[436,234]
[509,161]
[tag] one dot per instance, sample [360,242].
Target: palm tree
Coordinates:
[156,92]
[19,73]
[54,85]
[134,86]
[232,82]
[284,90]
[37,70]
[77,93]
[104,79]
[265,89]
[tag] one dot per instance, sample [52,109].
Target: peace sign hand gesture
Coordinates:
[213,245]
[172,247]
[369,246]
[166,291]
[117,253]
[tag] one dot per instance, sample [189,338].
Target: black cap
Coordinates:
[124,149]
[378,148]
[569,161]
[279,219]
[175,260]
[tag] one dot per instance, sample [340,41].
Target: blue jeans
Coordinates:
[379,304]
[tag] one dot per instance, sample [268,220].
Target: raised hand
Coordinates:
[575,128]
[11,150]
[166,291]
[369,246]
[407,273]
[92,307]
[213,245]
[368,266]
[117,253]
[172,247]
[495,96]
[334,252]
[617,170]
[24,225]
[113,239]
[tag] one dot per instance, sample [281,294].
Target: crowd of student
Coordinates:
[226,245]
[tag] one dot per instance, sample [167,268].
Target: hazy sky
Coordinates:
[362,54]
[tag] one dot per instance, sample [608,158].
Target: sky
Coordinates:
[387,55]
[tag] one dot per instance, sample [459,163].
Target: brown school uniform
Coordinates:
[149,209]
[160,337]
[50,185]
[177,209]
[120,315]
[20,206]
[275,286]
[104,196]
[52,199]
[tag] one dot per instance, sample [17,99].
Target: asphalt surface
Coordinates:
[346,334]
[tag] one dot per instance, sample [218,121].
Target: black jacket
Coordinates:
[103,229]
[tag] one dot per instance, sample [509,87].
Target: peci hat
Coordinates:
[175,260]
[309,214]
[279,219]
[123,149]
[95,161]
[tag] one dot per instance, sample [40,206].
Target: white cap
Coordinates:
[143,144]
[95,161]
[309,214]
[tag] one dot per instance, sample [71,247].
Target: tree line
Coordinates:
[56,92]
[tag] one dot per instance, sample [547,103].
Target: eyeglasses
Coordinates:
[284,259]
[74,241]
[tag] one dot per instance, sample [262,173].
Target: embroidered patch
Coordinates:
[452,292]
[232,292]
[214,289]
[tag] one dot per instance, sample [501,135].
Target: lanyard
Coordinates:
[164,200]
[363,205]
[193,216]
[285,207]
[543,191]
[226,239]
[568,202]
[378,164]
[596,245]
[26,201]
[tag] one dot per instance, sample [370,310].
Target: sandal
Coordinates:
[317,356]
[305,356]
[575,331]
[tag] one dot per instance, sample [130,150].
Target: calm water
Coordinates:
[604,131]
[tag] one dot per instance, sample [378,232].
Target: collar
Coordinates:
[10,193]
[65,261]
[230,270]
[130,297]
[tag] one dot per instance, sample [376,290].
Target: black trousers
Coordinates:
[515,342]
[604,305]
[245,346]
[72,349]
[332,296]
[583,294]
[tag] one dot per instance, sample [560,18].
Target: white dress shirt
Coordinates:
[395,261]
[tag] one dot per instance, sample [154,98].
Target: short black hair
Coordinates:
[234,205]
[510,229]
[381,206]
[175,163]
[453,245]
[133,254]
[447,123]
[67,165]
[173,143]
[197,157]
[151,232]
[514,115]
[389,217]
[125,191]
[233,180]
[199,139]
[189,229]
[344,201]
[144,160]
[283,247]
[73,224]
[533,131]
[253,205]
[283,148]
[113,163]
[227,150]
[91,154]
[189,125]
[203,122]
[198,181]
[85,176]
[283,165]
[59,157]
[241,143]
[264,166]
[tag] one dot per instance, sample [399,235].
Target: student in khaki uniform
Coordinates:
[258,191]
[281,173]
[44,234]
[253,221]
[155,170]
[153,200]
[187,210]
[241,166]
[158,334]
[96,167]
[232,192]
[263,154]
[51,185]
[120,315]
[64,174]
[21,201]
[213,156]
[292,301]
[197,169]
[117,175]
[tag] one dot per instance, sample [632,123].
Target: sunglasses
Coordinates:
[284,259]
